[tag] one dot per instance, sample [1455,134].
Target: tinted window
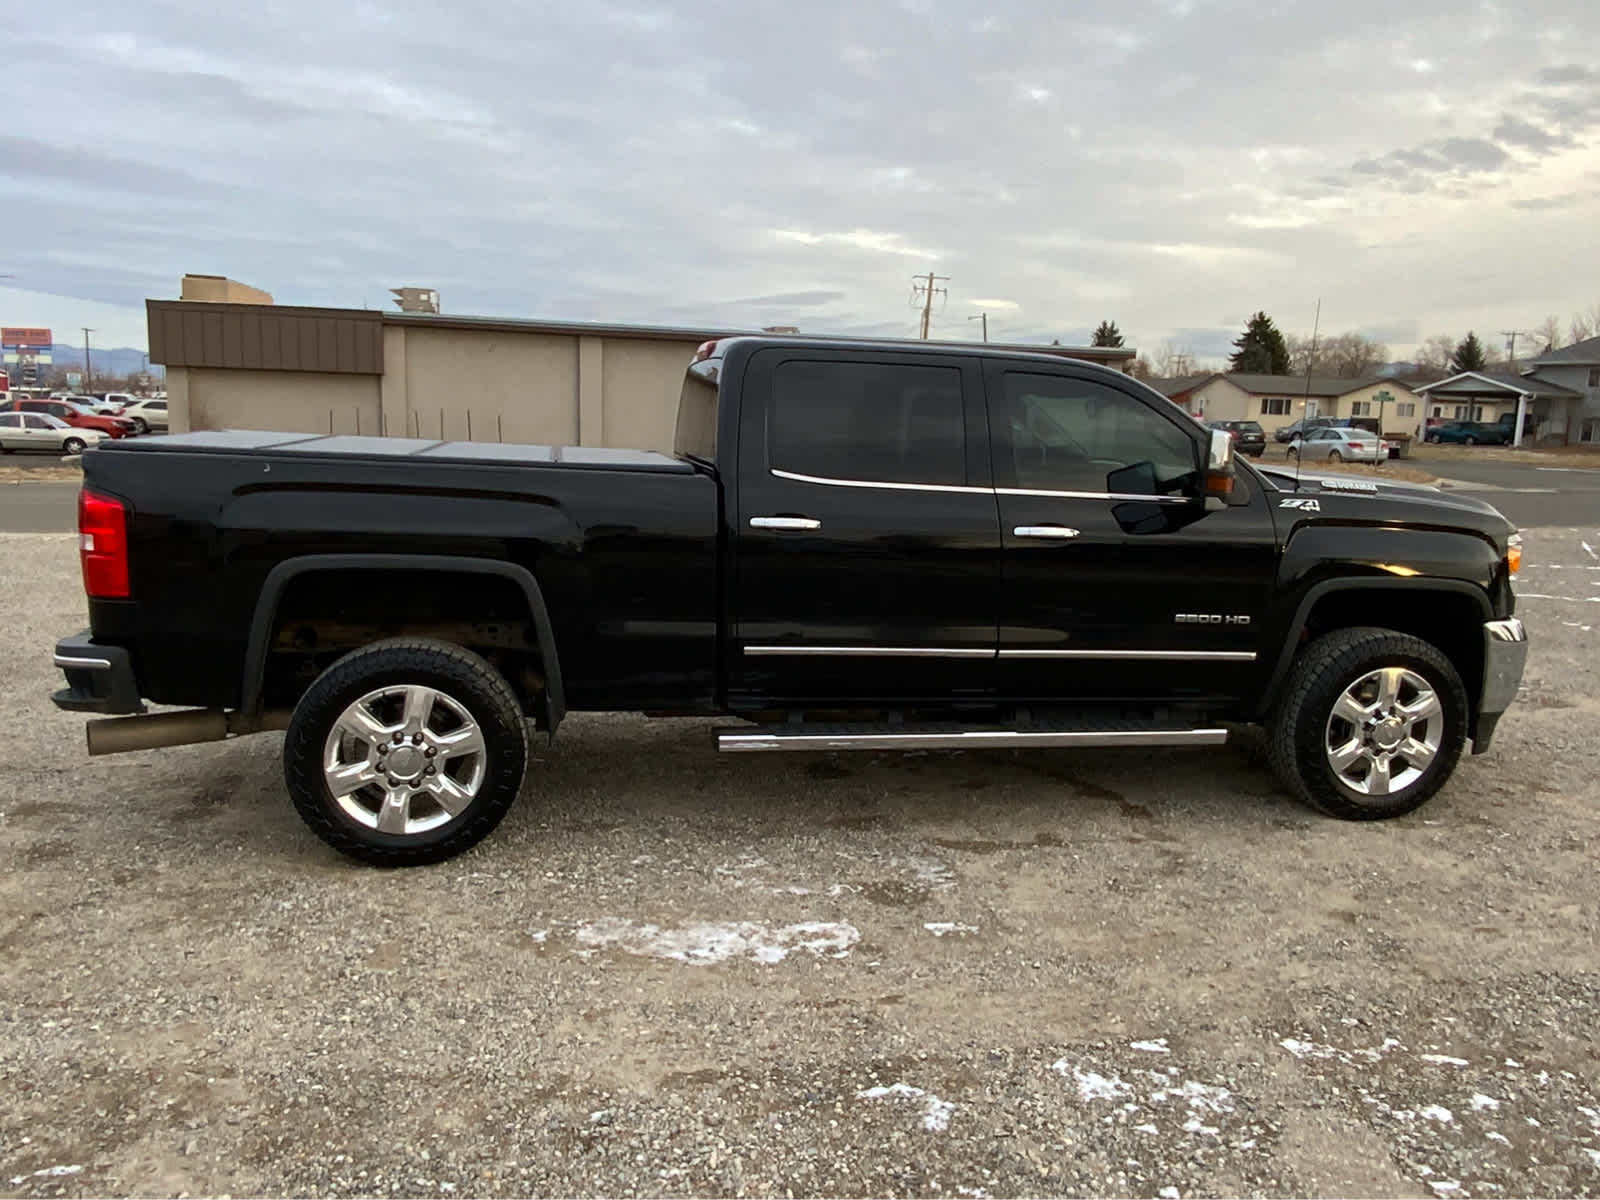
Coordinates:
[162,406]
[696,432]
[865,421]
[1072,435]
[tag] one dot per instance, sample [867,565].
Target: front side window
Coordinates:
[871,422]
[1076,435]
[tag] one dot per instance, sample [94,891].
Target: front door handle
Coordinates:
[784,523]
[1044,531]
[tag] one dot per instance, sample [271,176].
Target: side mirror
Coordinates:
[1217,484]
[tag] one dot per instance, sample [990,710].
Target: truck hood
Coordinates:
[1362,499]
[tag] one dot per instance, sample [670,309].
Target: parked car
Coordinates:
[874,528]
[73,414]
[1299,428]
[148,414]
[1248,436]
[99,405]
[1340,445]
[38,431]
[1468,433]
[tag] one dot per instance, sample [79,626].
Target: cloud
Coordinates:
[617,161]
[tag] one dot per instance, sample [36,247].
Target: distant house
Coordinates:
[1575,368]
[1550,412]
[1279,400]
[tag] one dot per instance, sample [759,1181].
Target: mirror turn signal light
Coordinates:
[1514,554]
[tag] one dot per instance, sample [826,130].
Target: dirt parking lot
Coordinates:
[676,973]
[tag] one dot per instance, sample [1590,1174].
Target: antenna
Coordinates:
[1311,362]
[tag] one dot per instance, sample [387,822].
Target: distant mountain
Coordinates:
[119,360]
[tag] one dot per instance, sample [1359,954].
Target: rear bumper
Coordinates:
[1505,654]
[100,678]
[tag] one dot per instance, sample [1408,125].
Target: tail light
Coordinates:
[103,545]
[1358,445]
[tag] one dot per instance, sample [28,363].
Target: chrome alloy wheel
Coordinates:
[404,759]
[1384,730]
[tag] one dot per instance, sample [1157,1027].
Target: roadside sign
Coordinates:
[74,380]
[21,335]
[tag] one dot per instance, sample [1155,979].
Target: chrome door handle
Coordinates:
[1044,531]
[784,523]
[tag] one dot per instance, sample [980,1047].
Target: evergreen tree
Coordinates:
[1469,355]
[1260,349]
[1107,334]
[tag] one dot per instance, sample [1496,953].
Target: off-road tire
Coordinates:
[458,673]
[1320,673]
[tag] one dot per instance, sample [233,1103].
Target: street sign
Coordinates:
[19,358]
[19,335]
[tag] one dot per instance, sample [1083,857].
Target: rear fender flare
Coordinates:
[255,659]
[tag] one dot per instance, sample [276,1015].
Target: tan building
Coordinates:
[219,289]
[1279,400]
[320,370]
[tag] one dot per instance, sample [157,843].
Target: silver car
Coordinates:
[148,414]
[1338,444]
[40,431]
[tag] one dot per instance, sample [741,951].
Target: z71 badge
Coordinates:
[1300,502]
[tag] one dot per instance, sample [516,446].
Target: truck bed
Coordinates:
[235,441]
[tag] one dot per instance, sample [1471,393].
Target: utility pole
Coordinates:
[924,285]
[984,317]
[1511,336]
[88,372]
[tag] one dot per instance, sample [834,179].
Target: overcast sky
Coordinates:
[1423,167]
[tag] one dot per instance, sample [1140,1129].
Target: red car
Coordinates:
[77,415]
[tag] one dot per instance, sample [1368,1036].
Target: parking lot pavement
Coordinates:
[671,972]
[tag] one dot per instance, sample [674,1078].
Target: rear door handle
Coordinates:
[784,523]
[1044,531]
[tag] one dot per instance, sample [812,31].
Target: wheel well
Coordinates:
[323,615]
[1452,621]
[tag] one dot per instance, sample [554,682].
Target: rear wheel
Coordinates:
[1469,440]
[405,752]
[72,446]
[1335,457]
[1371,724]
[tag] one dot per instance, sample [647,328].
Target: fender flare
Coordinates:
[255,658]
[1302,613]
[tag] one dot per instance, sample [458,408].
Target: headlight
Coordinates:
[1514,554]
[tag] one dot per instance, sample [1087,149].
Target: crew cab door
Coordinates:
[1118,583]
[866,541]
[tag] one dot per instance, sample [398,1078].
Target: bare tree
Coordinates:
[1433,356]
[1585,324]
[1300,359]
[1170,359]
[1350,355]
[1549,333]
[1142,367]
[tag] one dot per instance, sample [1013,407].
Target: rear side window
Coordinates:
[869,422]
[696,433]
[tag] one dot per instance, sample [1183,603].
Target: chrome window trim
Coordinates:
[826,481]
[1159,655]
[871,651]
[1093,495]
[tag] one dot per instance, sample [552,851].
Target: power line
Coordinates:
[925,286]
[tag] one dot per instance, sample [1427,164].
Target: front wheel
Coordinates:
[141,426]
[404,752]
[1371,724]
[1469,440]
[73,446]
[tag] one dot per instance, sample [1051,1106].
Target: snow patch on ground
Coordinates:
[708,943]
[1444,1060]
[1153,1046]
[1302,1048]
[936,1113]
[49,1173]
[1482,1103]
[942,928]
[1437,1112]
[1091,1084]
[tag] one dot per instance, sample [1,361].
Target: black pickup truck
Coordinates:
[853,546]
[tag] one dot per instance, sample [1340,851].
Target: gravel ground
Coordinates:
[675,973]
